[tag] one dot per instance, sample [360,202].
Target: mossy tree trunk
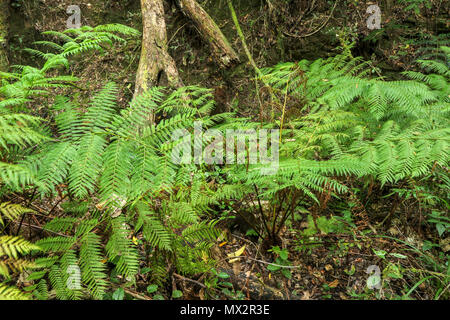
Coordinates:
[155,62]
[221,50]
[4,26]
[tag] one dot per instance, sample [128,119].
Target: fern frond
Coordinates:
[11,293]
[121,250]
[92,267]
[11,211]
[14,246]
[153,229]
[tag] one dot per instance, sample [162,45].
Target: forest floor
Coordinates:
[334,262]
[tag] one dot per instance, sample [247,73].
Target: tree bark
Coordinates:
[155,62]
[4,15]
[208,29]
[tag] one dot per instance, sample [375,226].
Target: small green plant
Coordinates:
[219,282]
[281,259]
[416,5]
[441,221]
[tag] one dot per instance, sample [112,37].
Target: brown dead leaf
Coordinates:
[201,294]
[306,296]
[334,283]
[237,268]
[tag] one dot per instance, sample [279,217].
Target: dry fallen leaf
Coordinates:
[236,268]
[317,274]
[334,283]
[236,254]
[306,296]
[201,294]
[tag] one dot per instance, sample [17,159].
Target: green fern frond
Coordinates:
[11,211]
[14,246]
[11,293]
[121,250]
[92,267]
[153,229]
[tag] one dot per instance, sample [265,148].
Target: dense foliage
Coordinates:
[120,203]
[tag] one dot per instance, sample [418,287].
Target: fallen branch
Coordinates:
[221,50]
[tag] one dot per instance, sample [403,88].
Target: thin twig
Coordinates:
[133,294]
[190,280]
[262,261]
[40,228]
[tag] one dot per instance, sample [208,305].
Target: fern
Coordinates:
[11,211]
[120,248]
[11,293]
[153,229]
[12,248]
[93,270]
[88,38]
[116,167]
[352,125]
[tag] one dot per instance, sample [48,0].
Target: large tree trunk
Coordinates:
[155,62]
[208,29]
[4,14]
[156,66]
